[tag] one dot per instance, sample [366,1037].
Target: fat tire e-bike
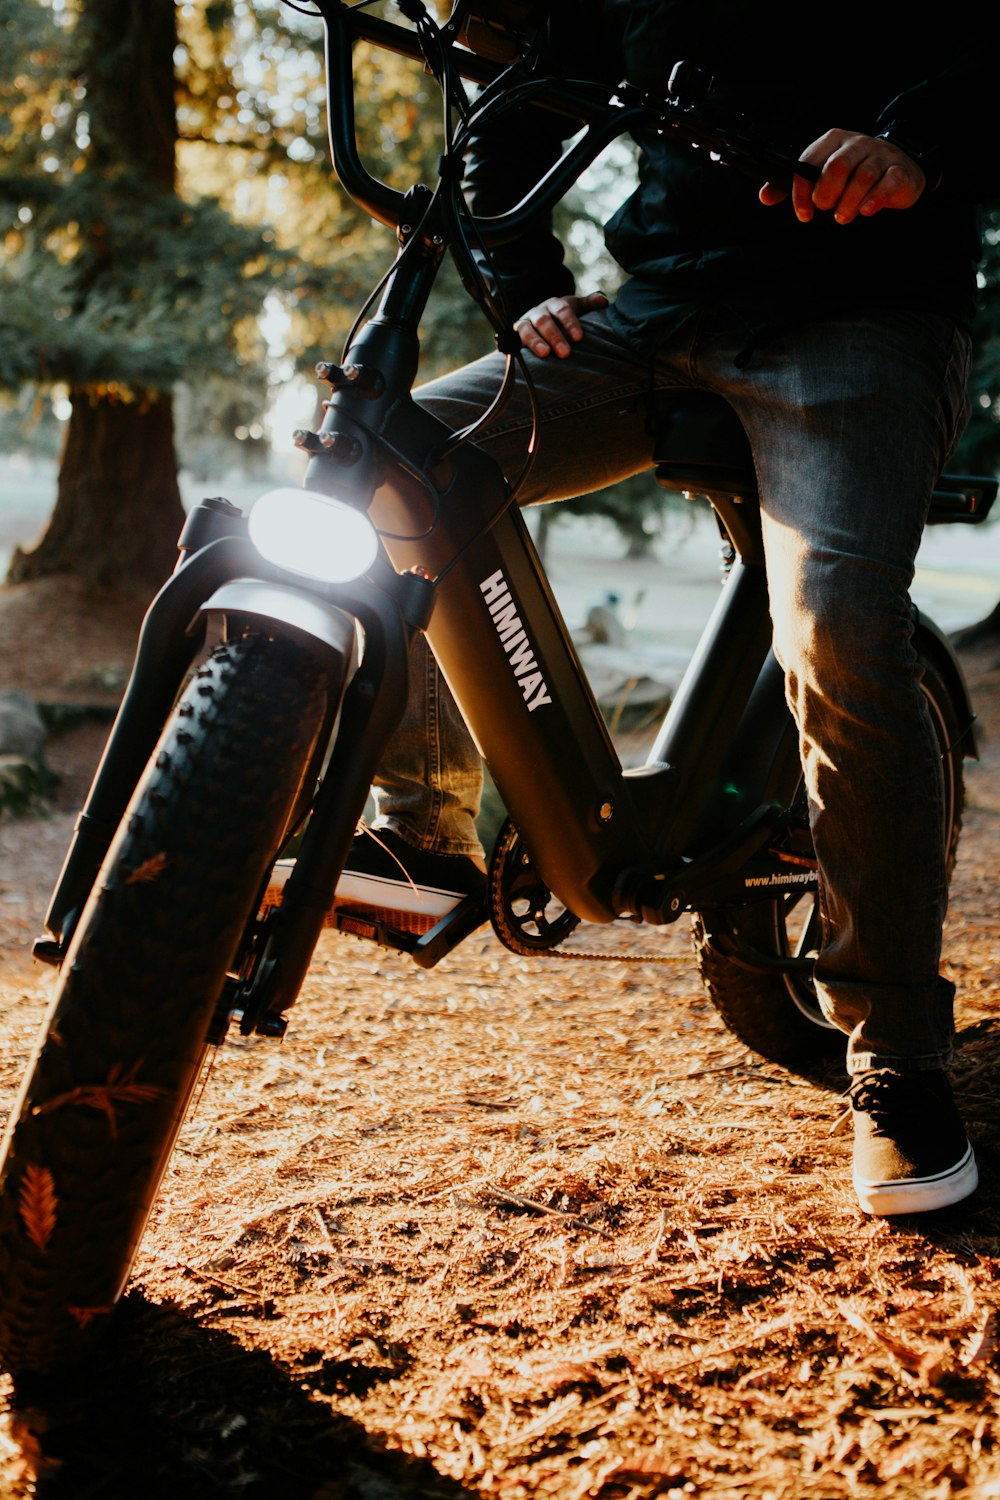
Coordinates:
[270,673]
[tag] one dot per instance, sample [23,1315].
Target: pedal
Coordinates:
[425,937]
[427,941]
[366,925]
[447,933]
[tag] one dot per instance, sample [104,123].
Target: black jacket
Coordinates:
[694,233]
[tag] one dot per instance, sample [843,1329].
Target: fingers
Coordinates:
[859,175]
[553,326]
[771,194]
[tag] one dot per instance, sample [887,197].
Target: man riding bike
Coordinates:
[835,319]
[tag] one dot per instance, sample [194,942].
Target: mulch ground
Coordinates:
[535,1228]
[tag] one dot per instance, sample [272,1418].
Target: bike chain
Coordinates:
[510,863]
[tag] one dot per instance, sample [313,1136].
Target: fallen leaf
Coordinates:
[37,1203]
[148,870]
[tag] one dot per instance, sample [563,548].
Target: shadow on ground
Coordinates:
[172,1409]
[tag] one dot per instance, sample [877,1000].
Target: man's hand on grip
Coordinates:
[859,175]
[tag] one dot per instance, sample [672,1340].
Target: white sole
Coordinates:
[922,1194]
[375,893]
[393,895]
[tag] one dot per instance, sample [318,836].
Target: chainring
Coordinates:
[524,914]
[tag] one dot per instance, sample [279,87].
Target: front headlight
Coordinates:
[313,534]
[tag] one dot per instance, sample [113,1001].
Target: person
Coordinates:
[835,319]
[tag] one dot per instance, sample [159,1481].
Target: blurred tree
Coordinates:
[60,241]
[163,168]
[113,283]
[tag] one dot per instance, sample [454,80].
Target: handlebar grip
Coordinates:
[808,170]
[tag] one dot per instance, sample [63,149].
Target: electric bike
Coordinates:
[271,670]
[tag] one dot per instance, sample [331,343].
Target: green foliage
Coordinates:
[136,291]
[109,279]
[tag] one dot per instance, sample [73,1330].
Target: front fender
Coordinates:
[313,621]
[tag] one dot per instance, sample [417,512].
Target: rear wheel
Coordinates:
[121,1051]
[778,1015]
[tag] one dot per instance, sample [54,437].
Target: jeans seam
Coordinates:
[574,408]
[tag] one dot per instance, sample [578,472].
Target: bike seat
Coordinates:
[701,447]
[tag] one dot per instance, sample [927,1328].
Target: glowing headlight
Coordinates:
[313,535]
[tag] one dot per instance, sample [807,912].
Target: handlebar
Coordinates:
[689,112]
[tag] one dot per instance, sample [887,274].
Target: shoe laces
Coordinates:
[362,827]
[876,1094]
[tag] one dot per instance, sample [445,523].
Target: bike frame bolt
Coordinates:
[341,446]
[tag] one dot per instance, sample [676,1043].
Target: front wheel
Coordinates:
[121,1050]
[778,1015]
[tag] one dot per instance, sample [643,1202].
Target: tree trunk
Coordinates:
[118,508]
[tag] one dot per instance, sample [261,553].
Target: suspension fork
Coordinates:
[166,647]
[372,707]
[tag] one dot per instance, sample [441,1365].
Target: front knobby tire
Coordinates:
[122,1048]
[778,1016]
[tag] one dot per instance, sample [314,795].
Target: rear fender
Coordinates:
[931,641]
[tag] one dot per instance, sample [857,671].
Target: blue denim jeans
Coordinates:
[850,420]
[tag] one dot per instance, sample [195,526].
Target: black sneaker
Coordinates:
[911,1153]
[402,887]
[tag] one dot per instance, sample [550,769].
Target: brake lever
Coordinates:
[691,111]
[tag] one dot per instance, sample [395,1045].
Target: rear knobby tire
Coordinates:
[122,1048]
[778,1016]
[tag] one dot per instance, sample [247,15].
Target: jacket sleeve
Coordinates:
[515,148]
[507,158]
[945,123]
